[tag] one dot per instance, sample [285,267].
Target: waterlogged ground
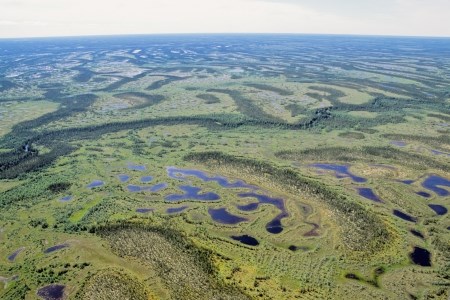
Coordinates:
[266,167]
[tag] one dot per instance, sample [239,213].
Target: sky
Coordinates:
[37,18]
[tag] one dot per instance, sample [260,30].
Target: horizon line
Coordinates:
[222,33]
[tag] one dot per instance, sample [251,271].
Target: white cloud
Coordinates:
[84,17]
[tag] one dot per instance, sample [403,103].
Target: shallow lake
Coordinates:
[221,215]
[340,171]
[176,173]
[192,193]
[435,183]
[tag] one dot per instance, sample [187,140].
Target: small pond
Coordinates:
[158,187]
[399,143]
[439,209]
[144,210]
[13,255]
[296,248]
[136,167]
[52,292]
[173,210]
[221,215]
[246,239]
[404,216]
[66,198]
[424,194]
[95,183]
[417,233]
[421,257]
[123,177]
[55,248]
[146,179]
[340,171]
[192,193]
[369,194]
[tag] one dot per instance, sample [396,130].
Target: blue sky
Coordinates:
[30,18]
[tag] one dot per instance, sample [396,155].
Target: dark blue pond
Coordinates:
[146,179]
[273,226]
[246,239]
[340,171]
[158,187]
[55,248]
[144,210]
[369,194]
[421,257]
[424,194]
[221,215]
[417,233]
[439,209]
[52,292]
[296,248]
[136,168]
[176,173]
[192,193]
[435,184]
[95,183]
[66,198]
[173,210]
[123,177]
[404,216]
[398,143]
[13,255]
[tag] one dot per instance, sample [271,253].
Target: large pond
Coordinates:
[340,171]
[52,292]
[176,173]
[274,226]
[421,257]
[192,193]
[435,183]
[221,215]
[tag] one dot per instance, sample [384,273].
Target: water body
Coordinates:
[95,183]
[144,210]
[221,215]
[421,257]
[13,255]
[123,177]
[369,194]
[66,198]
[55,248]
[173,210]
[424,194]
[192,193]
[439,209]
[296,248]
[158,187]
[52,292]
[145,179]
[435,184]
[437,152]
[273,226]
[404,216]
[136,167]
[407,181]
[136,188]
[399,143]
[176,173]
[417,233]
[246,239]
[340,171]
